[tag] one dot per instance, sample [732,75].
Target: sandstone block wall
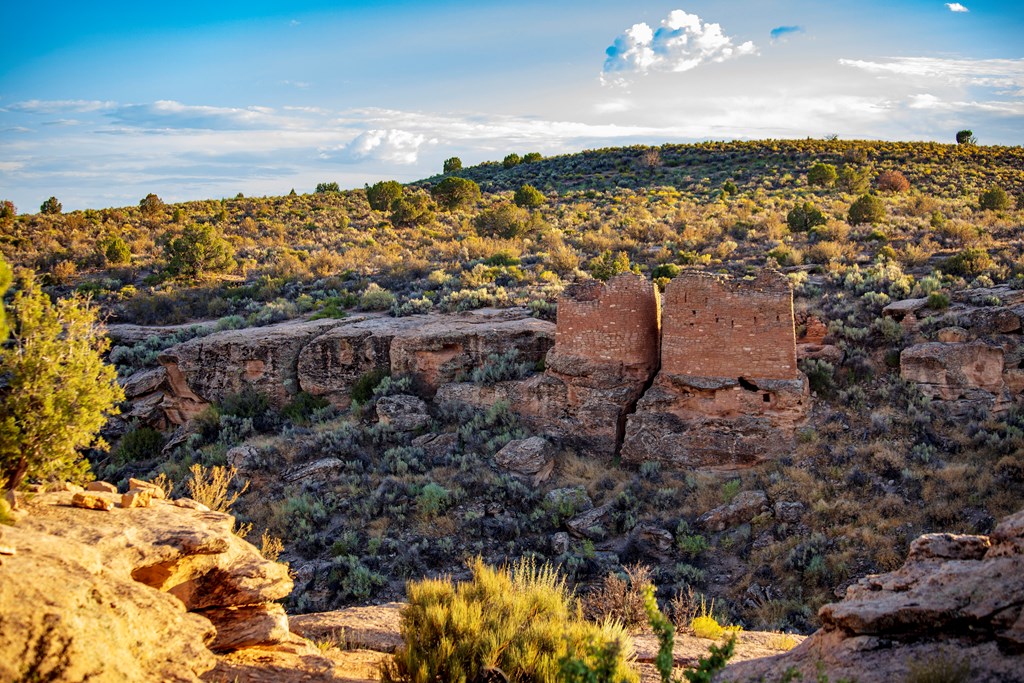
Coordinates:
[717,327]
[614,322]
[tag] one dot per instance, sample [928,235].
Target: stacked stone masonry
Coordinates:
[715,327]
[616,323]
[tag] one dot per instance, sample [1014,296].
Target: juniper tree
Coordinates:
[57,389]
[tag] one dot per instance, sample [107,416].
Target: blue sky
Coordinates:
[102,103]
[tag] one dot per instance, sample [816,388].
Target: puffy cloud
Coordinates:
[391,145]
[956,7]
[783,31]
[682,42]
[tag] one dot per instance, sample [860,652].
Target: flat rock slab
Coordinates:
[375,627]
[296,660]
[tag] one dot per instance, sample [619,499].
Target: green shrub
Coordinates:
[454,192]
[529,197]
[938,301]
[994,199]
[608,265]
[823,175]
[302,407]
[376,298]
[362,389]
[452,165]
[520,619]
[142,442]
[503,220]
[803,217]
[968,263]
[511,160]
[867,209]
[324,188]
[381,195]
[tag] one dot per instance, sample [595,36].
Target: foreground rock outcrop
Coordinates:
[957,604]
[961,377]
[144,593]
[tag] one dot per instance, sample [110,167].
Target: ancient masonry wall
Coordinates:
[716,327]
[617,322]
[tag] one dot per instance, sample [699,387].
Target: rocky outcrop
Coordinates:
[402,412]
[729,394]
[139,593]
[956,604]
[961,377]
[327,357]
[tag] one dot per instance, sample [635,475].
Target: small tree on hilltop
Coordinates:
[822,175]
[199,250]
[994,199]
[867,209]
[454,192]
[529,197]
[7,210]
[324,188]
[511,160]
[381,195]
[151,205]
[452,165]
[966,137]
[532,157]
[58,390]
[51,207]
[892,181]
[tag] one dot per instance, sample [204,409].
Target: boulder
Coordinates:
[987,321]
[154,490]
[592,524]
[402,412]
[533,457]
[92,502]
[741,509]
[243,457]
[789,512]
[956,603]
[899,309]
[137,498]
[958,376]
[102,486]
[825,352]
[318,469]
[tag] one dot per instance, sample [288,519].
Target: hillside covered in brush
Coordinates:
[854,225]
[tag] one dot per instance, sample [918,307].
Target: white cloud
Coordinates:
[956,7]
[391,145]
[994,73]
[681,43]
[59,106]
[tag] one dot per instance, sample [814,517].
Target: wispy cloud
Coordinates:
[682,42]
[59,106]
[1007,74]
[956,7]
[780,32]
[176,115]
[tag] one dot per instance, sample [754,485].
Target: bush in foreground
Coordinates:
[520,620]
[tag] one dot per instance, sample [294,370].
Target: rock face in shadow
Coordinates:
[961,377]
[138,594]
[728,394]
[956,604]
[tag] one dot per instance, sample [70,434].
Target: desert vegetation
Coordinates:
[855,225]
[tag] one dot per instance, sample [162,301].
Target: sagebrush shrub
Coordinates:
[519,619]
